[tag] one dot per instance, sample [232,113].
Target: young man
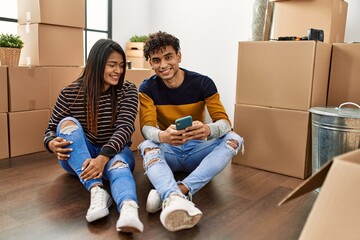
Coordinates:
[202,150]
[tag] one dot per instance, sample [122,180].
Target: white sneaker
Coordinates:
[153,202]
[179,213]
[99,204]
[129,218]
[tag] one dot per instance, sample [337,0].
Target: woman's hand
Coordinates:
[93,167]
[57,146]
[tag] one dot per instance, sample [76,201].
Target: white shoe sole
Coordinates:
[180,219]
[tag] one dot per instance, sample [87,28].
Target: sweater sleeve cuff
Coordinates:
[108,152]
[46,143]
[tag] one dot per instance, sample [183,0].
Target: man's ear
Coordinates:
[179,56]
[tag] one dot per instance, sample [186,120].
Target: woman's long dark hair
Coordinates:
[93,81]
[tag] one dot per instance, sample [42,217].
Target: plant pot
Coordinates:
[9,56]
[135,46]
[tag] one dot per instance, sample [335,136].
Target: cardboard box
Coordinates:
[26,131]
[4,136]
[295,18]
[138,62]
[137,76]
[69,13]
[29,88]
[286,74]
[50,45]
[3,90]
[277,140]
[335,213]
[61,77]
[344,85]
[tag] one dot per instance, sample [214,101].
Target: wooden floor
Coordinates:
[38,200]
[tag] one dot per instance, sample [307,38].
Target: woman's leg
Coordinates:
[118,171]
[100,201]
[70,129]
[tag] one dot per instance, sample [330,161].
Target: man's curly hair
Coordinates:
[159,41]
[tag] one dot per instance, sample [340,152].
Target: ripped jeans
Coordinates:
[202,159]
[118,171]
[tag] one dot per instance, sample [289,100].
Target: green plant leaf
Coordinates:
[11,41]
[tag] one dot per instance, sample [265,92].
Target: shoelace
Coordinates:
[97,198]
[167,201]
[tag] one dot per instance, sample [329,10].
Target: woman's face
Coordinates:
[113,70]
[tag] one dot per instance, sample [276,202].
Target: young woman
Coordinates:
[90,132]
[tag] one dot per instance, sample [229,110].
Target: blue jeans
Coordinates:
[118,171]
[202,159]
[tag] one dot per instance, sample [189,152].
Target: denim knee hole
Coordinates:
[118,165]
[232,143]
[68,129]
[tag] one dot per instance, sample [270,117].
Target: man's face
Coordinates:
[165,62]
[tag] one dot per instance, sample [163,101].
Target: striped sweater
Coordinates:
[112,139]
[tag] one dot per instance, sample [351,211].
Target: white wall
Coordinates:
[352,31]
[209,31]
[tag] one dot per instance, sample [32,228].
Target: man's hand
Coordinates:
[198,131]
[57,146]
[93,167]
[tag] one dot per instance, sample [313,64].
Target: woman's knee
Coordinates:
[68,125]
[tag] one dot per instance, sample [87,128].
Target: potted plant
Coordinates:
[137,42]
[10,49]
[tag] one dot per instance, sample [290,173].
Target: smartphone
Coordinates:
[184,122]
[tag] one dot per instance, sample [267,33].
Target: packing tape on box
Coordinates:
[28,16]
[28,61]
[27,27]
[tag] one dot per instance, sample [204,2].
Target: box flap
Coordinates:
[310,184]
[336,211]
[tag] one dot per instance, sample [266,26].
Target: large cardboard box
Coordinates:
[287,74]
[344,85]
[29,88]
[137,76]
[296,17]
[335,213]
[4,136]
[3,90]
[277,140]
[26,131]
[50,45]
[69,13]
[61,77]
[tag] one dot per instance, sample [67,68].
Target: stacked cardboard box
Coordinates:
[52,32]
[296,17]
[277,83]
[52,57]
[135,54]
[137,76]
[344,85]
[4,139]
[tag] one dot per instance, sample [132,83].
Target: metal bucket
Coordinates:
[335,130]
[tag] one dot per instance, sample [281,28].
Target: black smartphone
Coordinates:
[184,122]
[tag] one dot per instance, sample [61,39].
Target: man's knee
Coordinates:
[151,156]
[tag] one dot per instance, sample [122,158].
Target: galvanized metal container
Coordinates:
[335,130]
